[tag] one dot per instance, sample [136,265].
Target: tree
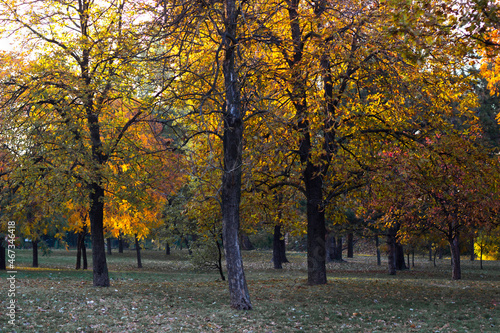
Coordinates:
[84,92]
[449,185]
[350,77]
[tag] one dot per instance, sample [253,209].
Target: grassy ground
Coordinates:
[169,295]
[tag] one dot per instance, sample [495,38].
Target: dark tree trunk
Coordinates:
[35,253]
[79,251]
[186,241]
[3,259]
[108,240]
[233,151]
[245,243]
[430,251]
[481,256]
[391,255]
[219,261]
[456,273]
[334,248]
[167,249]
[316,230]
[350,245]
[400,257]
[138,251]
[120,243]
[84,252]
[471,249]
[379,259]
[279,248]
[96,215]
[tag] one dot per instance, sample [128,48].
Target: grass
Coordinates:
[169,295]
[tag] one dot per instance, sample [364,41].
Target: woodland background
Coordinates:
[203,122]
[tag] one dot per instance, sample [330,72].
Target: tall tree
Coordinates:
[87,87]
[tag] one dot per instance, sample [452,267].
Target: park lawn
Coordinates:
[169,295]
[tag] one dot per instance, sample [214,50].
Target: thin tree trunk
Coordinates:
[167,249]
[84,251]
[456,273]
[233,152]
[79,251]
[138,251]
[219,265]
[471,249]
[379,259]
[35,253]
[108,240]
[350,245]
[481,257]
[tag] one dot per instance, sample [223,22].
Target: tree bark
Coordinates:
[219,261]
[456,273]
[35,253]
[233,151]
[279,248]
[350,245]
[138,251]
[400,256]
[96,215]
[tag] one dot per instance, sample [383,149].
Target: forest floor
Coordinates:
[170,295]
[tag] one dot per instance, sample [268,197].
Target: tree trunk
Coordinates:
[138,251]
[233,151]
[316,230]
[96,215]
[78,251]
[430,251]
[279,248]
[3,259]
[245,243]
[456,273]
[219,261]
[84,251]
[481,256]
[108,242]
[350,245]
[379,259]
[400,257]
[391,255]
[120,243]
[35,253]
[167,249]
[471,249]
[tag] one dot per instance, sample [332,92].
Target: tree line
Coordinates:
[285,115]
